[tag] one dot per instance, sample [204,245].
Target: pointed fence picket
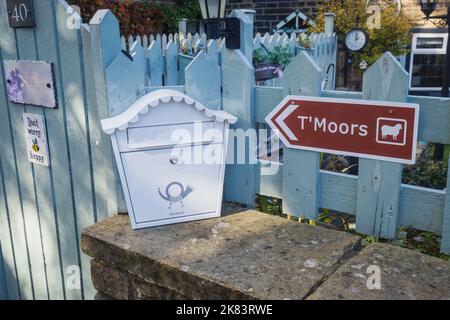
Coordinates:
[162,66]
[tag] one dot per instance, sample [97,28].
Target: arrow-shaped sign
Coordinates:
[368,129]
[282,117]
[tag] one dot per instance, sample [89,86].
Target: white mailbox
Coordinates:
[171,154]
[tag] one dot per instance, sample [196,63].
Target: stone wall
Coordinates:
[251,255]
[248,255]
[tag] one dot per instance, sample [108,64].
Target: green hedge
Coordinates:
[142,17]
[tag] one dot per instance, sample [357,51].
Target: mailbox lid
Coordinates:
[162,99]
[161,189]
[170,135]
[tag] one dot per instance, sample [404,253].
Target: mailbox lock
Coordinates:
[174,160]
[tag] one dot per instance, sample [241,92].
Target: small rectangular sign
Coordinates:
[30,83]
[20,13]
[361,128]
[36,138]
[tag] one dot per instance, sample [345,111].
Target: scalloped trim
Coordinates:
[153,100]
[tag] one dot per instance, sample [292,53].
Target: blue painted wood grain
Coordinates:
[266,99]
[420,208]
[204,81]
[3,286]
[121,94]
[183,62]
[156,63]
[27,50]
[10,167]
[246,33]
[445,244]
[8,182]
[100,49]
[42,175]
[171,59]
[434,119]
[238,91]
[379,183]
[301,179]
[75,106]
[102,161]
[8,272]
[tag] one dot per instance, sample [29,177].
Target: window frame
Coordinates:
[435,51]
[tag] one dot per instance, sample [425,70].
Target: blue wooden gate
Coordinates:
[44,209]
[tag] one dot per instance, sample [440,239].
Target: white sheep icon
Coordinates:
[393,131]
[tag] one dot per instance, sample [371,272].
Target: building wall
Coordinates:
[412,10]
[269,12]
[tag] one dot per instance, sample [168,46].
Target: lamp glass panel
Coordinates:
[223,5]
[213,7]
[203,8]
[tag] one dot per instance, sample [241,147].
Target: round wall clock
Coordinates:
[356,39]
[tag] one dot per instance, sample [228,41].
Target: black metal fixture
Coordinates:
[428,7]
[217,26]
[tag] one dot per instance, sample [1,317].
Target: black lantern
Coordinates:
[213,9]
[217,26]
[427,6]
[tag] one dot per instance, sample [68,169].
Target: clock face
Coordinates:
[355,40]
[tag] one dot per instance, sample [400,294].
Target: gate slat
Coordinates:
[379,183]
[27,50]
[238,85]
[301,172]
[203,81]
[43,175]
[445,245]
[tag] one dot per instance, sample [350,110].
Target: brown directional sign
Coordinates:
[20,13]
[368,129]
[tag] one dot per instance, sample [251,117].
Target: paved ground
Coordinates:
[252,255]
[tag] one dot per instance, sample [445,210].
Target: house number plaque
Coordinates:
[20,13]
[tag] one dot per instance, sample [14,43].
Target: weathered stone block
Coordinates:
[109,280]
[249,255]
[405,274]
[101,296]
[144,290]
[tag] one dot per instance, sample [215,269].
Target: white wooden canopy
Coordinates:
[154,99]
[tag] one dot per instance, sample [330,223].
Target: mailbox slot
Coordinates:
[169,135]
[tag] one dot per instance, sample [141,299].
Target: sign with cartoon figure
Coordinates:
[368,129]
[36,139]
[30,83]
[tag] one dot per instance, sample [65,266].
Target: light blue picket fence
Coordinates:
[174,52]
[43,210]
